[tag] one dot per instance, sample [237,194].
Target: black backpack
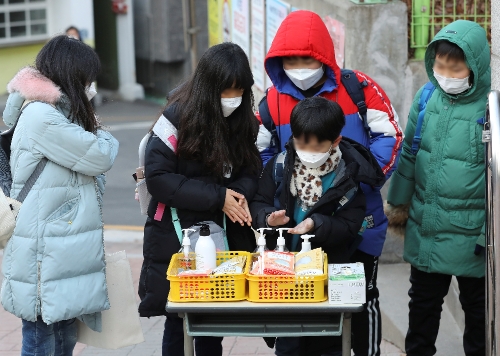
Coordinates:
[5,142]
[5,174]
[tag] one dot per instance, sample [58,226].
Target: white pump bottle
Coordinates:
[281,243]
[186,242]
[306,245]
[261,242]
[206,254]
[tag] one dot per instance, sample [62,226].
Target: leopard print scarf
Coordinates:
[306,182]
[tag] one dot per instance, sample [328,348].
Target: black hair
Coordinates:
[75,29]
[72,65]
[204,133]
[318,117]
[449,50]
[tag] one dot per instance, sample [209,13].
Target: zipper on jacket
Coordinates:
[99,202]
[39,287]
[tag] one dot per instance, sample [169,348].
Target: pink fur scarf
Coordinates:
[33,85]
[306,182]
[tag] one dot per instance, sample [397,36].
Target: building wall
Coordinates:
[495,44]
[14,58]
[60,14]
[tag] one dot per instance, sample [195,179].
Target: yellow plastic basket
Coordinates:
[288,289]
[221,288]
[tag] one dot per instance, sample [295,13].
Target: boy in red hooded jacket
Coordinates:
[301,64]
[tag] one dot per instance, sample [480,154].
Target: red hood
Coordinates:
[302,33]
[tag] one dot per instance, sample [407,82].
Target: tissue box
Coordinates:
[346,283]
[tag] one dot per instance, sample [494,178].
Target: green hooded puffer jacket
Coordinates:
[444,183]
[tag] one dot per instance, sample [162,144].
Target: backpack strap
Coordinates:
[422,104]
[39,167]
[32,180]
[167,133]
[279,165]
[355,90]
[177,224]
[178,227]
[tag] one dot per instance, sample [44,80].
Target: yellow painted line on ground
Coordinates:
[124,227]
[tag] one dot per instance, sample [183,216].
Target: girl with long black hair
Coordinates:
[53,265]
[206,167]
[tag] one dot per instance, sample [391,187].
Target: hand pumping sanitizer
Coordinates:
[306,245]
[205,250]
[281,243]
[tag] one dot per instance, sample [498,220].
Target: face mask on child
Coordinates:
[230,104]
[452,85]
[313,160]
[90,91]
[305,78]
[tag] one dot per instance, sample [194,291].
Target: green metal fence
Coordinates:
[430,16]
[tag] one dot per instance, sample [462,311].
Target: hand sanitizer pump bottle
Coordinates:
[306,245]
[206,254]
[186,261]
[281,243]
[261,242]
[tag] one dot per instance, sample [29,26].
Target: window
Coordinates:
[23,21]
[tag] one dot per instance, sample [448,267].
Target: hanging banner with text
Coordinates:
[219,21]
[276,12]
[258,43]
[241,24]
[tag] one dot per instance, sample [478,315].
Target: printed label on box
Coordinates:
[346,283]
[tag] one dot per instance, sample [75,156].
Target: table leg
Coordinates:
[346,335]
[188,340]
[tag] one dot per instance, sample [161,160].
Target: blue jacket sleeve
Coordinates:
[267,140]
[68,144]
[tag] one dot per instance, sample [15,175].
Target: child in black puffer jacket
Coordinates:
[320,195]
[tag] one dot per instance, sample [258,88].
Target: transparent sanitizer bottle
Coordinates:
[186,261]
[261,242]
[281,243]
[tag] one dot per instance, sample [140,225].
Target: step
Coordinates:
[393,283]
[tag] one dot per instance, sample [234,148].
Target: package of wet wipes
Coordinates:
[346,283]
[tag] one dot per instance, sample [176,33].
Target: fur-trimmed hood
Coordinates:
[33,85]
[29,84]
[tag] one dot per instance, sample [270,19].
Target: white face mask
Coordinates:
[452,85]
[313,160]
[304,78]
[230,104]
[90,91]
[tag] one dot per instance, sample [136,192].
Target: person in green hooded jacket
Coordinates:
[442,188]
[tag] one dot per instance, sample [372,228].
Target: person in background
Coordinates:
[73,32]
[207,169]
[439,186]
[321,170]
[53,266]
[301,64]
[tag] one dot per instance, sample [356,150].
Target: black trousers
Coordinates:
[367,325]
[173,340]
[427,294]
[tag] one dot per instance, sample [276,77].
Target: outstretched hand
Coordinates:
[303,228]
[278,218]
